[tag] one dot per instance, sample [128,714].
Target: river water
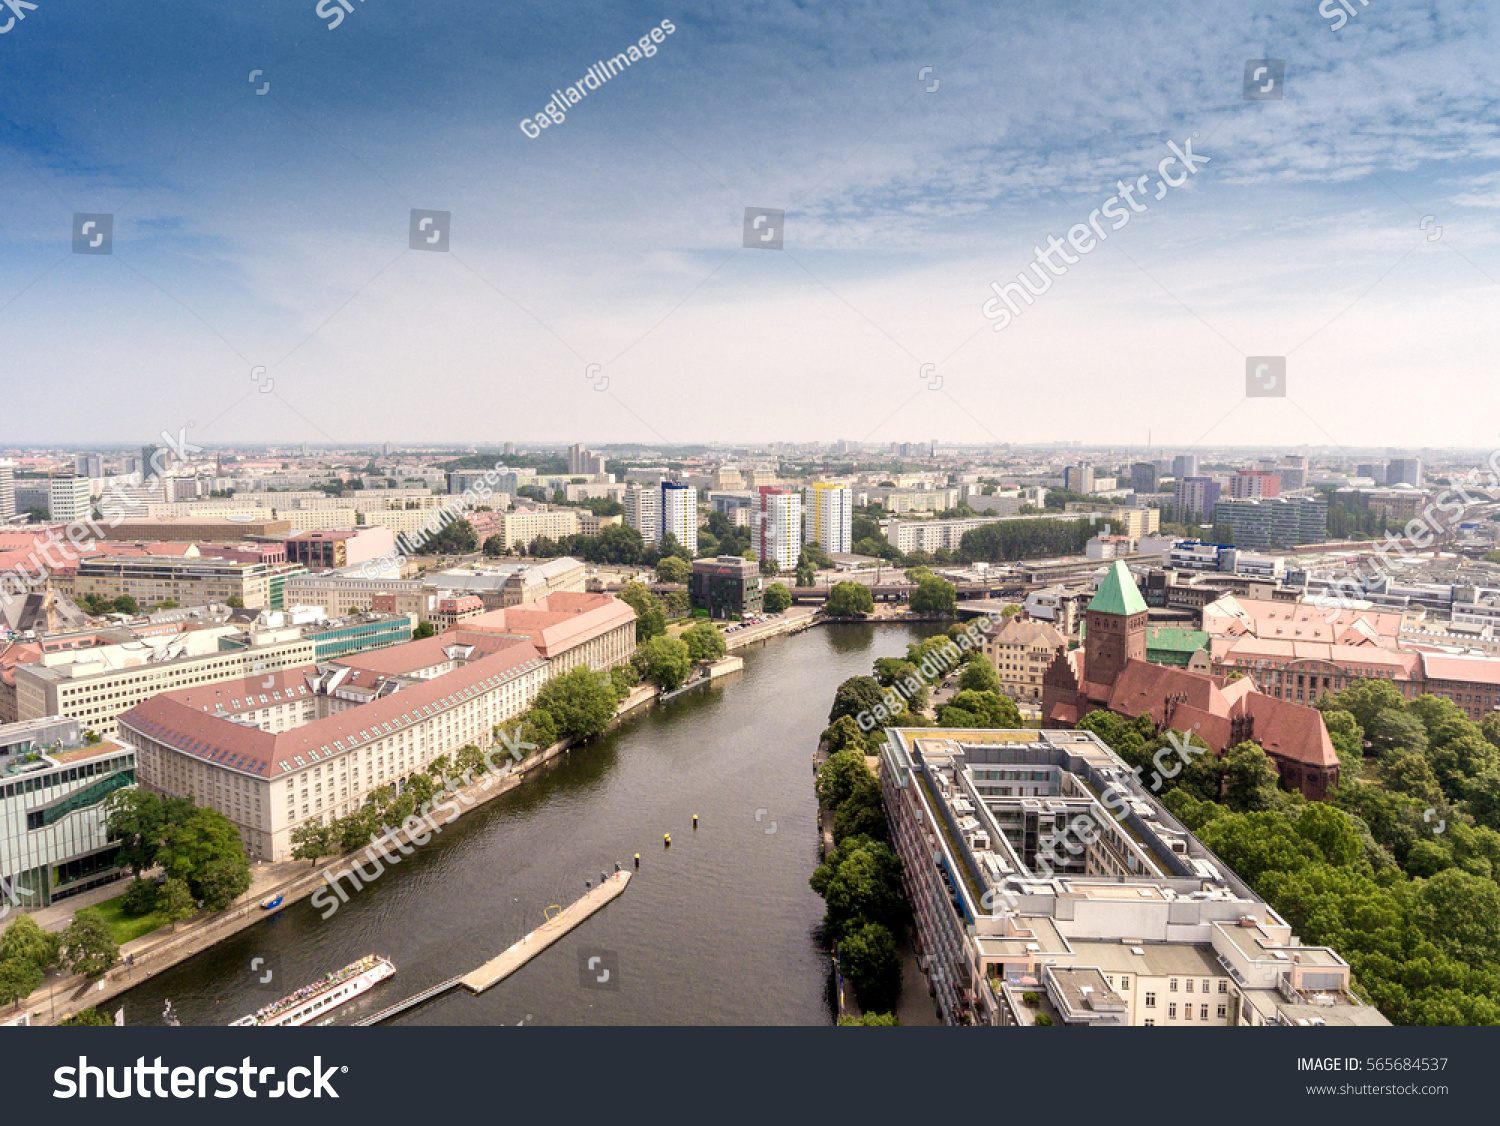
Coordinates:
[721,928]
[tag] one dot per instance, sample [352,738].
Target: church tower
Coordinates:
[1116,627]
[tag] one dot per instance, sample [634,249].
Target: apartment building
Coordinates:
[1021,650]
[776,528]
[7,490]
[1195,497]
[69,499]
[187,580]
[679,514]
[1282,522]
[1045,879]
[829,520]
[515,528]
[351,591]
[97,685]
[643,510]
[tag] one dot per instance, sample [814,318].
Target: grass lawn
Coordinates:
[126,928]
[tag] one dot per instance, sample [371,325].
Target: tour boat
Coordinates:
[272,903]
[319,998]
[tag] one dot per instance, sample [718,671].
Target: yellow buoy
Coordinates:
[695,820]
[666,839]
[637,860]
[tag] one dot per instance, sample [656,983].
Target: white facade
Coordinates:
[679,514]
[776,531]
[69,499]
[643,512]
[830,518]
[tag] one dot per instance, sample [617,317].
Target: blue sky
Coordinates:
[271,230]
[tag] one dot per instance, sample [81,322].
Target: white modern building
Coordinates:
[679,514]
[776,530]
[643,511]
[69,499]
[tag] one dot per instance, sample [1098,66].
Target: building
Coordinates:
[184,579]
[328,551]
[351,592]
[88,465]
[69,499]
[1254,484]
[1044,878]
[776,529]
[829,519]
[316,742]
[1021,650]
[643,511]
[54,839]
[522,527]
[456,608]
[567,628]
[1078,479]
[1185,465]
[727,587]
[907,536]
[199,529]
[363,632]
[1195,498]
[1404,471]
[96,685]
[583,462]
[679,514]
[7,491]
[531,582]
[1145,477]
[1111,673]
[1283,522]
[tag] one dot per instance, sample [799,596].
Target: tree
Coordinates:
[862,813]
[136,819]
[849,600]
[176,902]
[1394,730]
[1365,699]
[19,979]
[581,702]
[704,641]
[313,840]
[455,538]
[423,630]
[869,1020]
[777,598]
[88,947]
[139,898]
[857,695]
[933,595]
[844,735]
[671,569]
[88,1018]
[624,678]
[1409,772]
[204,851]
[871,963]
[235,602]
[649,620]
[979,676]
[980,710]
[807,575]
[840,773]
[860,881]
[1250,779]
[24,940]
[663,660]
[769,566]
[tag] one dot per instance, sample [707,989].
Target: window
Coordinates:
[1150,1000]
[1205,985]
[1189,985]
[1172,1011]
[1187,1012]
[1124,981]
[1223,1011]
[1223,987]
[1149,1023]
[1202,1012]
[1172,986]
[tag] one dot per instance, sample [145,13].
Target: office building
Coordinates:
[88,465]
[7,490]
[1195,498]
[96,685]
[643,511]
[1185,465]
[54,839]
[352,592]
[1374,471]
[829,518]
[1404,471]
[359,634]
[727,587]
[1283,522]
[776,530]
[1254,484]
[679,514]
[328,551]
[1046,880]
[1145,477]
[583,462]
[1078,479]
[184,579]
[69,499]
[1293,471]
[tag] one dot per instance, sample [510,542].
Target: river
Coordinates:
[721,928]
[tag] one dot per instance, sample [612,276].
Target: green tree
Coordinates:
[1395,730]
[979,676]
[840,773]
[663,660]
[934,595]
[539,728]
[87,946]
[777,598]
[423,630]
[176,902]
[139,898]
[624,678]
[19,979]
[980,710]
[872,964]
[860,881]
[88,1018]
[869,1020]
[704,641]
[222,880]
[848,600]
[313,840]
[204,852]
[25,941]
[139,820]
[862,813]
[857,695]
[650,621]
[1251,782]
[1409,772]
[581,702]
[844,735]
[1365,699]
[671,569]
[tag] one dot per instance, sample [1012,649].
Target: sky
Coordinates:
[262,287]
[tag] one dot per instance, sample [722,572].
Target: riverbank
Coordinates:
[291,880]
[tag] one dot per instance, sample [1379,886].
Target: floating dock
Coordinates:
[498,969]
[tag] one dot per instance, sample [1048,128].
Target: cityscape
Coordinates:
[899,516]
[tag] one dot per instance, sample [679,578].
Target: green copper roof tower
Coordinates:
[1117,593]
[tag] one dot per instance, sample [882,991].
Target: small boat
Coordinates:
[321,997]
[272,903]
